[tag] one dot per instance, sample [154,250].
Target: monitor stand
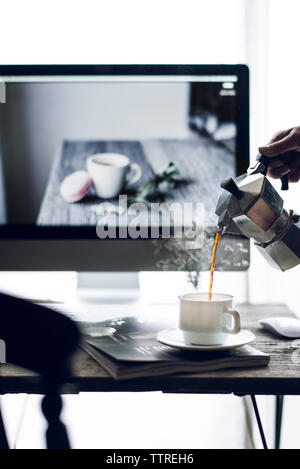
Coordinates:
[108,287]
[100,296]
[103,295]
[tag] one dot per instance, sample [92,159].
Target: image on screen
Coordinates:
[68,147]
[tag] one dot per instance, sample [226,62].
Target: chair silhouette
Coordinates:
[42,340]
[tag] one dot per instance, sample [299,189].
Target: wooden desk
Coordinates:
[281,376]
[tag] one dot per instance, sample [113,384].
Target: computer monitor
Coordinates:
[152,135]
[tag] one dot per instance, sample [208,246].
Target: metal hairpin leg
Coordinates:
[3,438]
[259,424]
[278,419]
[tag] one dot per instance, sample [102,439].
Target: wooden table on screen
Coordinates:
[280,377]
[202,163]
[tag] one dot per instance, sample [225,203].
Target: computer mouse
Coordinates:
[282,326]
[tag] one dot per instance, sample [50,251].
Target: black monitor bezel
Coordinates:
[24,232]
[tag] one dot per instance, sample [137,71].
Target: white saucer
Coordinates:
[174,338]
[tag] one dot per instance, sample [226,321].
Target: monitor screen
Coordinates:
[98,156]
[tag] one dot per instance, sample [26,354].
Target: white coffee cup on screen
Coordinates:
[207,322]
[111,172]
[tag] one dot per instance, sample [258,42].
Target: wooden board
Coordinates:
[281,376]
[202,164]
[72,157]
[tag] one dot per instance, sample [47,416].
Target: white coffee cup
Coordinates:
[207,322]
[109,172]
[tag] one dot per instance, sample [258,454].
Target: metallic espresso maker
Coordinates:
[250,206]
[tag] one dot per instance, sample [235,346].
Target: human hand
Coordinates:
[285,143]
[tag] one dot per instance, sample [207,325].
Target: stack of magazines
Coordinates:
[127,348]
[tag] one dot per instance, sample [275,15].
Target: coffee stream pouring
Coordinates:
[250,206]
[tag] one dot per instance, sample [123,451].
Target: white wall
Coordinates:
[271,37]
[118,31]
[284,111]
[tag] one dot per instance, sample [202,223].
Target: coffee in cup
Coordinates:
[205,321]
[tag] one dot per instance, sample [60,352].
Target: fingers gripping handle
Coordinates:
[265,160]
[285,182]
